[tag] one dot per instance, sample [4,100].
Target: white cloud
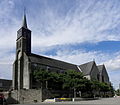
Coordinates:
[115,78]
[86,21]
[113,63]
[85,24]
[6,71]
[7,58]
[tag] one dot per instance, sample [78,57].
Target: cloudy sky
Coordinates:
[76,31]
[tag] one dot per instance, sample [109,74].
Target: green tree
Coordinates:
[55,81]
[51,80]
[40,76]
[118,92]
[74,81]
[71,79]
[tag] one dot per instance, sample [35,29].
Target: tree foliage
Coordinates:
[117,92]
[70,80]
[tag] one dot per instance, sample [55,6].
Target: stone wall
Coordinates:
[25,96]
[31,96]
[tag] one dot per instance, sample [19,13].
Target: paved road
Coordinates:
[103,101]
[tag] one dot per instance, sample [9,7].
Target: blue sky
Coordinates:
[76,31]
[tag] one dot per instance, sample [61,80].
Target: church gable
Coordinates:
[86,68]
[90,70]
[95,72]
[103,73]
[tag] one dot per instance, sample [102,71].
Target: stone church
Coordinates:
[25,62]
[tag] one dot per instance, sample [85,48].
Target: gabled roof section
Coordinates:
[52,62]
[100,68]
[87,67]
[103,71]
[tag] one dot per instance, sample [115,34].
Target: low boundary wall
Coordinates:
[25,96]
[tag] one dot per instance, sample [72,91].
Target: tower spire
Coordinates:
[24,24]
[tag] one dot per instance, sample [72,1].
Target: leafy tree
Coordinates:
[74,81]
[51,80]
[55,81]
[118,92]
[70,81]
[40,76]
[112,91]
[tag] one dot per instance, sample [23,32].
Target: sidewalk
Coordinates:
[102,101]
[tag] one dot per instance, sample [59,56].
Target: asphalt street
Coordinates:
[103,101]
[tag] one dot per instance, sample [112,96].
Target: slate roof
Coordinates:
[87,67]
[100,68]
[52,62]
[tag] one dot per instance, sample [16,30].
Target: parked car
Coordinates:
[1,98]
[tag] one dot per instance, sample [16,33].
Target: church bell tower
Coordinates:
[23,42]
[23,47]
